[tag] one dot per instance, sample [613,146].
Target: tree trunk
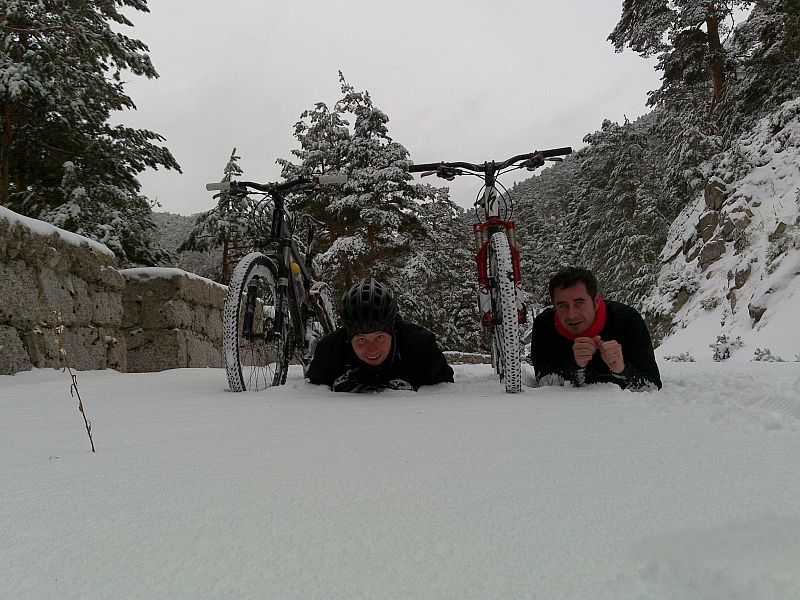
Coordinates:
[717,56]
[225,267]
[6,137]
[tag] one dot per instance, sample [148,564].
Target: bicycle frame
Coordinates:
[284,254]
[287,253]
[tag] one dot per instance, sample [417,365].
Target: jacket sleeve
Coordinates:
[545,356]
[421,360]
[641,370]
[328,362]
[432,365]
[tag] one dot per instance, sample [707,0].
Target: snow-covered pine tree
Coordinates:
[60,160]
[540,208]
[618,227]
[372,220]
[229,225]
[687,37]
[437,287]
[766,55]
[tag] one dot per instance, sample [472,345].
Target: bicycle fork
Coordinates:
[249,311]
[483,233]
[270,327]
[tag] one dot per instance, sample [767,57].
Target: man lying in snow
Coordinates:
[376,349]
[584,339]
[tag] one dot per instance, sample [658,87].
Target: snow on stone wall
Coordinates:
[130,320]
[45,272]
[172,319]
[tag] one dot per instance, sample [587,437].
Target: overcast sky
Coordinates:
[459,80]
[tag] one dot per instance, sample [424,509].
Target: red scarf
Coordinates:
[594,329]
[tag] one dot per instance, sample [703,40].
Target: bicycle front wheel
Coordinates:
[256,355]
[505,334]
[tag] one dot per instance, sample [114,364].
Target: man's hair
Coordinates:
[569,276]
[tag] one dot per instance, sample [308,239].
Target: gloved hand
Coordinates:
[348,382]
[551,379]
[400,384]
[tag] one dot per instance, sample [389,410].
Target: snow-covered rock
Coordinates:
[731,272]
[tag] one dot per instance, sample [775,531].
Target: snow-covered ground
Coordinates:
[458,491]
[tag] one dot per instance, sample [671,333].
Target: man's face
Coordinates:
[575,309]
[372,348]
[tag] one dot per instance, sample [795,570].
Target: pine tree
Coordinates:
[228,225]
[372,220]
[540,206]
[766,50]
[437,287]
[60,160]
[687,37]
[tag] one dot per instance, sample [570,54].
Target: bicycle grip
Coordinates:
[556,152]
[332,179]
[221,186]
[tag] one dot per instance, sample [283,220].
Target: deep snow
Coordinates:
[458,491]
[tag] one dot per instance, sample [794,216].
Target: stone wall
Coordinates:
[47,278]
[128,320]
[467,358]
[171,319]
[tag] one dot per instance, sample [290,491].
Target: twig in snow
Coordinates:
[73,390]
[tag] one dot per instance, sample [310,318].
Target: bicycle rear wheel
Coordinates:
[257,358]
[505,333]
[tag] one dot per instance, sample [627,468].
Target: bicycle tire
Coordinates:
[254,364]
[505,334]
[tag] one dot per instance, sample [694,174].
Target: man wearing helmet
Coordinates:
[376,349]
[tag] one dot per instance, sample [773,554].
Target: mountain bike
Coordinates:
[274,309]
[500,303]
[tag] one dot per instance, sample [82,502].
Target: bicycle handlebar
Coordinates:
[299,183]
[532,156]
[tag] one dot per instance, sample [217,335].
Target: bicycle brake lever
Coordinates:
[232,193]
[448,173]
[534,163]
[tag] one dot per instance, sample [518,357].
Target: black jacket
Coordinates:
[415,357]
[551,353]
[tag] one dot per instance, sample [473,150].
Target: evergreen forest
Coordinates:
[609,206]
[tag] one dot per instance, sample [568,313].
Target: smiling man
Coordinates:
[585,339]
[376,349]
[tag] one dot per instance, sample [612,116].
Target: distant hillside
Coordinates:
[171,231]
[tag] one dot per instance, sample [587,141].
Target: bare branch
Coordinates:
[73,390]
